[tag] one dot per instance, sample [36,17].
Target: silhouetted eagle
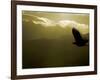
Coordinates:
[79,41]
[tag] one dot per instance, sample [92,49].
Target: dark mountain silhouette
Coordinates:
[79,41]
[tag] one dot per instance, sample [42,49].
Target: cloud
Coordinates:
[26,20]
[62,23]
[44,22]
[65,23]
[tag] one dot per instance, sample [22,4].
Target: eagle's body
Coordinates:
[79,41]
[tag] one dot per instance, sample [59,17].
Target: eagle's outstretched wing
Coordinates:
[77,36]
